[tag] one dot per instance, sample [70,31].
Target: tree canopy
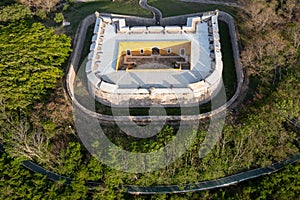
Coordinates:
[260,134]
[30,62]
[14,12]
[46,5]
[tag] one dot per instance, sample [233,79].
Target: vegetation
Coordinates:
[46,5]
[79,11]
[6,2]
[59,17]
[175,7]
[14,12]
[31,59]
[30,62]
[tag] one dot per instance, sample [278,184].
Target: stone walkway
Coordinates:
[156,12]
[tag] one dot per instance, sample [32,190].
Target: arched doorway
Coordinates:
[155,51]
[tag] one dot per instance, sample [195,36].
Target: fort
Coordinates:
[141,66]
[80,42]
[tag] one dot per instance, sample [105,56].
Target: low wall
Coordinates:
[75,57]
[181,19]
[228,19]
[132,20]
[78,44]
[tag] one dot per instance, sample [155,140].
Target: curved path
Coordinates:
[157,15]
[205,185]
[213,184]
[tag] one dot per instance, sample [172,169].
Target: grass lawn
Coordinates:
[229,74]
[177,7]
[79,11]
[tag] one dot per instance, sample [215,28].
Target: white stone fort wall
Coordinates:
[143,100]
[73,66]
[171,97]
[167,97]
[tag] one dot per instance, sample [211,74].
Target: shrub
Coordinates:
[59,17]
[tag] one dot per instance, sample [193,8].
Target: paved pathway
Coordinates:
[182,188]
[156,12]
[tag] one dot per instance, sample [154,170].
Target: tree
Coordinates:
[30,62]
[21,140]
[6,2]
[14,12]
[289,9]
[46,5]
[270,40]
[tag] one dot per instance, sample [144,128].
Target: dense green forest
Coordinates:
[36,120]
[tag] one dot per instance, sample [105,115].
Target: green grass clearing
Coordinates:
[79,11]
[177,7]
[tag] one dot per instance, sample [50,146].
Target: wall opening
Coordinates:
[155,51]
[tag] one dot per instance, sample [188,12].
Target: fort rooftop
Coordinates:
[142,66]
